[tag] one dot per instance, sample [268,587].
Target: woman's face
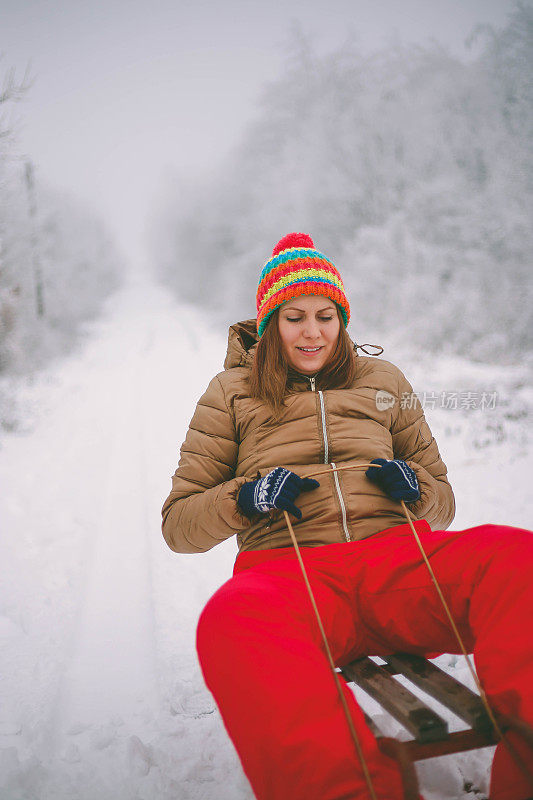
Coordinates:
[309,328]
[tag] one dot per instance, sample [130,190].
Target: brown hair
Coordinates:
[270,369]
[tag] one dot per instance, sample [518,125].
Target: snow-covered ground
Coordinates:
[101,695]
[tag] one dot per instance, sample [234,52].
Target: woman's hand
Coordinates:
[278,489]
[395,478]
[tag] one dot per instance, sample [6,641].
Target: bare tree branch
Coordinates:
[12,89]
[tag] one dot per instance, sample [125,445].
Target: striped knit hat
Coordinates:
[296,268]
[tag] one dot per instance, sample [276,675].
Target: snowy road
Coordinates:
[101,695]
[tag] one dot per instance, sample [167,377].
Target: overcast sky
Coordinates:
[127,90]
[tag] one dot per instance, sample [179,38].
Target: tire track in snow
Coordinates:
[112,669]
[109,686]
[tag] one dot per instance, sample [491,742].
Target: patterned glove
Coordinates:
[395,478]
[278,489]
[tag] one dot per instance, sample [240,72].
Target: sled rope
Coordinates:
[515,755]
[499,733]
[344,703]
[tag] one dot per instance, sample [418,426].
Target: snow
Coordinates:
[101,694]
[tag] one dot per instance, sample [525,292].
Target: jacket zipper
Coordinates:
[324,432]
[347,536]
[343,507]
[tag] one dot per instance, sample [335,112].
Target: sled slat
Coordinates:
[373,727]
[423,723]
[430,731]
[438,684]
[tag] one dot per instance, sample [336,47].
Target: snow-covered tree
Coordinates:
[57,261]
[412,169]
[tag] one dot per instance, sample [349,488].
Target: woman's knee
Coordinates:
[513,544]
[250,614]
[217,618]
[503,542]
[235,613]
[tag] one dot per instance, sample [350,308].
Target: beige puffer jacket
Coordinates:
[231,439]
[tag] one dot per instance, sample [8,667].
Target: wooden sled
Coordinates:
[430,731]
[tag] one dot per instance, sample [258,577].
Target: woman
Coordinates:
[296,395]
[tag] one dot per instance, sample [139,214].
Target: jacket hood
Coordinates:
[242,341]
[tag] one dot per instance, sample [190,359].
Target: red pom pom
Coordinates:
[293,240]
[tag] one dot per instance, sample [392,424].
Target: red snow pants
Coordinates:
[264,662]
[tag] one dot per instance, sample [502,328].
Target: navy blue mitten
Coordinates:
[278,489]
[395,478]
